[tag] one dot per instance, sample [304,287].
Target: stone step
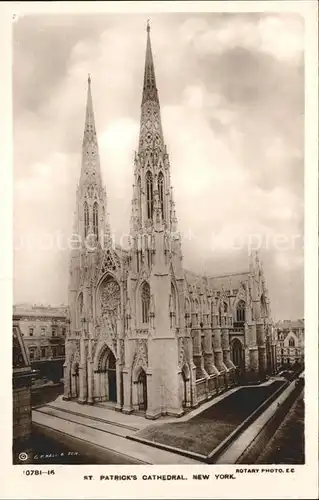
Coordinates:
[91,417]
[99,411]
[89,421]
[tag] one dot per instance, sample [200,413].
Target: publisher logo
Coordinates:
[23,456]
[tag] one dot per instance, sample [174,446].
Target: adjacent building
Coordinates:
[43,329]
[145,333]
[21,396]
[290,337]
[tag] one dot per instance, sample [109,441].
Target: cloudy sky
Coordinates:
[231,91]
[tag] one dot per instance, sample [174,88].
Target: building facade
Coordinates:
[43,329]
[21,399]
[290,336]
[146,334]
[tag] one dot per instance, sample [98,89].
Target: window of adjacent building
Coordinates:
[31,352]
[54,353]
[145,296]
[31,330]
[42,331]
[54,332]
[43,352]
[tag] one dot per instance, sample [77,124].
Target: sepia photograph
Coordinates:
[158,238]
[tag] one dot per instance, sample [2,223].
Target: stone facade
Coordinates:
[290,337]
[146,334]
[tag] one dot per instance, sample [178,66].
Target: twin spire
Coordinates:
[149,87]
[89,128]
[91,173]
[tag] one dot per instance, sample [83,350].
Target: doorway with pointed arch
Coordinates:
[107,374]
[238,355]
[142,390]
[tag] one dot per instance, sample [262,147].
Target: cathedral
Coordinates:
[144,334]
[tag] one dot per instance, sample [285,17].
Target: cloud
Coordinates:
[232,98]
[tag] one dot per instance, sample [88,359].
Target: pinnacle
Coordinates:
[149,87]
[90,153]
[89,130]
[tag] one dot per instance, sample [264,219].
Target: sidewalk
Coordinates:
[107,435]
[237,448]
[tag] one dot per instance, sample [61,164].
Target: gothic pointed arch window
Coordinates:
[139,194]
[161,192]
[96,219]
[187,312]
[241,312]
[109,301]
[263,306]
[174,300]
[86,219]
[149,195]
[79,310]
[173,306]
[145,300]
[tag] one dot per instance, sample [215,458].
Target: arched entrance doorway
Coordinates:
[238,355]
[142,391]
[111,377]
[106,376]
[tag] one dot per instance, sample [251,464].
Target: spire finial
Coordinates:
[148,28]
[89,78]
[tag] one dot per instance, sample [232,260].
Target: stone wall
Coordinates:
[21,419]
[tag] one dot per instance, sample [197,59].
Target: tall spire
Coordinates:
[149,87]
[151,135]
[89,128]
[90,151]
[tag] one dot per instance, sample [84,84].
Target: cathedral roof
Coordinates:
[288,324]
[226,281]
